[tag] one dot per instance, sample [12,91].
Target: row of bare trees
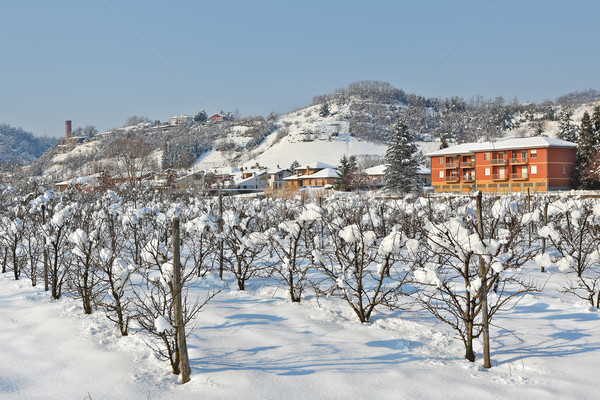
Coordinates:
[461,260]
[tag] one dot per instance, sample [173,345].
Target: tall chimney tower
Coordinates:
[67,130]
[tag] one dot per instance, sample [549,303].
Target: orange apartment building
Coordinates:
[512,165]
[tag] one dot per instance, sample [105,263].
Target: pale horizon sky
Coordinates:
[77,60]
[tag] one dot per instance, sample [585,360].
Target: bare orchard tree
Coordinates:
[56,231]
[200,239]
[292,242]
[84,278]
[460,271]
[244,243]
[154,297]
[574,231]
[12,241]
[362,269]
[112,262]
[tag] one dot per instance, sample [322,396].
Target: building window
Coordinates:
[440,160]
[533,169]
[441,174]
[564,153]
[486,156]
[487,171]
[501,156]
[533,153]
[564,169]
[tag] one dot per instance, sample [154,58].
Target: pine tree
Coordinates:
[596,123]
[587,148]
[347,171]
[324,112]
[567,131]
[443,142]
[401,173]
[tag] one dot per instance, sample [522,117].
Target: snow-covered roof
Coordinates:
[316,165]
[249,179]
[277,171]
[506,144]
[380,170]
[376,170]
[324,173]
[422,170]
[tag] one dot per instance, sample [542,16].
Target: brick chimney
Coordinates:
[67,131]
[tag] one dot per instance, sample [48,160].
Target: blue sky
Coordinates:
[75,59]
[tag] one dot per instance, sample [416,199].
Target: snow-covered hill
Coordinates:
[357,121]
[303,136]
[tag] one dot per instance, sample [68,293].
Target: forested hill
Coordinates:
[374,106]
[17,144]
[353,120]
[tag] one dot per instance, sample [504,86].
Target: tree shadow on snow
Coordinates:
[296,361]
[245,319]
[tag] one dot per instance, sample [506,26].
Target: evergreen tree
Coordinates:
[324,112]
[587,149]
[347,170]
[568,130]
[443,142]
[596,122]
[538,128]
[200,116]
[401,173]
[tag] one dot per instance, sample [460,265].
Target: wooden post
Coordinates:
[220,233]
[543,269]
[177,307]
[529,211]
[46,285]
[483,290]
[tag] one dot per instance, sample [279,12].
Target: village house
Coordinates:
[376,175]
[316,174]
[510,165]
[276,178]
[180,120]
[252,181]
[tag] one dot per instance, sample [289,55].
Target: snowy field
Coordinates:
[256,345]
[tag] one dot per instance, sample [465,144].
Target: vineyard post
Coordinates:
[179,325]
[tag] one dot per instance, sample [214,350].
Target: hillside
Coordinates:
[351,121]
[19,145]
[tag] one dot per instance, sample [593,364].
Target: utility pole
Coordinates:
[177,306]
[483,290]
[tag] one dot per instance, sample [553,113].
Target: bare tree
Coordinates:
[133,156]
[574,231]
[359,267]
[468,269]
[136,120]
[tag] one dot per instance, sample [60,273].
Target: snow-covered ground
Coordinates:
[256,345]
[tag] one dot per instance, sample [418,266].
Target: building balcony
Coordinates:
[451,165]
[518,161]
[468,178]
[518,177]
[498,161]
[467,164]
[452,179]
[496,177]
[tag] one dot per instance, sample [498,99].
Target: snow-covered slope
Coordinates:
[303,136]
